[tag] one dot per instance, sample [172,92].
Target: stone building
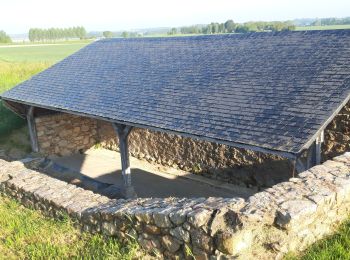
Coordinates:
[230,107]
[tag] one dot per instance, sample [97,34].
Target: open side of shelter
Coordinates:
[312,158]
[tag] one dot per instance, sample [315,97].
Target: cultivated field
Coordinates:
[38,52]
[324,27]
[20,62]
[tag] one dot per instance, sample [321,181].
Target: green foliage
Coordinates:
[108,34]
[173,31]
[52,34]
[230,27]
[10,75]
[4,38]
[125,34]
[331,21]
[27,234]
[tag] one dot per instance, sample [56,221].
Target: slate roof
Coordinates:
[274,91]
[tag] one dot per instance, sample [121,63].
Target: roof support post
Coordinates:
[32,129]
[318,151]
[123,132]
[313,156]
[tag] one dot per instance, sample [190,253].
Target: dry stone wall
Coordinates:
[237,166]
[286,217]
[64,134]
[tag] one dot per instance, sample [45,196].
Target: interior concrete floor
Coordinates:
[148,180]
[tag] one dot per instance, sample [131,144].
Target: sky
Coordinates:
[17,16]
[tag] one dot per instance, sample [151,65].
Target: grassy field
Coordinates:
[325,27]
[19,63]
[27,234]
[38,53]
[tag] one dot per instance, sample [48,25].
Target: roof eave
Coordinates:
[281,153]
[324,126]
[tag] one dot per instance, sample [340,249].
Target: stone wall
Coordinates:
[218,161]
[286,217]
[337,135]
[64,134]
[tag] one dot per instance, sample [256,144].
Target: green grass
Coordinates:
[27,234]
[12,73]
[47,53]
[18,64]
[325,27]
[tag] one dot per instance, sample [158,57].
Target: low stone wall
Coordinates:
[287,217]
[64,134]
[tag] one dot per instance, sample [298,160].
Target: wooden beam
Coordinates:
[32,129]
[310,157]
[318,151]
[123,132]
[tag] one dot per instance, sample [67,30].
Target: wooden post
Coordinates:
[32,129]
[318,151]
[313,157]
[310,159]
[123,132]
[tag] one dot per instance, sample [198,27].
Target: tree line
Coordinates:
[51,34]
[331,21]
[231,27]
[4,38]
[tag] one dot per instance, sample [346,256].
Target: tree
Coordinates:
[230,26]
[107,34]
[125,34]
[173,31]
[4,38]
[51,34]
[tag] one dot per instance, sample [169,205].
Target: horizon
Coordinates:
[137,15]
[167,27]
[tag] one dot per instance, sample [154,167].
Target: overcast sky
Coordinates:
[17,16]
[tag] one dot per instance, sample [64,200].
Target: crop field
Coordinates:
[19,63]
[38,52]
[324,27]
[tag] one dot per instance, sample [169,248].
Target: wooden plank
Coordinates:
[32,129]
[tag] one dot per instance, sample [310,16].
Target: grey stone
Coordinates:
[179,217]
[109,228]
[180,234]
[199,217]
[171,244]
[151,229]
[233,243]
[201,240]
[162,220]
[293,213]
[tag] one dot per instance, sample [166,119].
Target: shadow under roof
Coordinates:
[269,91]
